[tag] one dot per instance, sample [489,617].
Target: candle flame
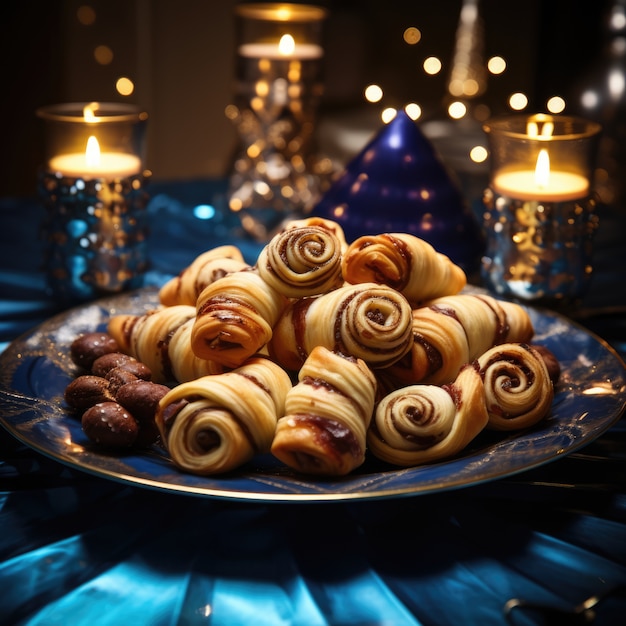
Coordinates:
[89,112]
[286,45]
[92,152]
[542,170]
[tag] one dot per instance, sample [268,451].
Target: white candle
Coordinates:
[286,49]
[562,186]
[112,165]
[542,183]
[95,164]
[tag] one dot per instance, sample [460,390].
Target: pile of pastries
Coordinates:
[325,350]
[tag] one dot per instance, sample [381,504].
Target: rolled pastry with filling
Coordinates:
[367,321]
[234,318]
[405,262]
[451,331]
[423,423]
[320,222]
[327,414]
[205,269]
[302,261]
[518,388]
[215,424]
[161,340]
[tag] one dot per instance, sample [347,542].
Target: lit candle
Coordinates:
[92,184]
[286,48]
[95,164]
[92,163]
[542,183]
[540,209]
[280,31]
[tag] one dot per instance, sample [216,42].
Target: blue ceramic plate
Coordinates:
[36,368]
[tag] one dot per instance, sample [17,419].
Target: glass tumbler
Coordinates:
[92,185]
[540,208]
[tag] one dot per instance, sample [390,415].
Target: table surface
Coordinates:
[78,549]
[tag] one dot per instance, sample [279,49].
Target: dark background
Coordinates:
[180,56]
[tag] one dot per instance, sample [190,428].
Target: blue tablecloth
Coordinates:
[77,549]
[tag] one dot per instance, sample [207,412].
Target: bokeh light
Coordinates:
[412,35]
[555,105]
[590,99]
[388,114]
[86,15]
[432,65]
[204,211]
[479,154]
[373,93]
[103,55]
[413,110]
[518,101]
[496,65]
[124,86]
[457,110]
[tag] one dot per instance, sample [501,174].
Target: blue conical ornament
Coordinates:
[397,183]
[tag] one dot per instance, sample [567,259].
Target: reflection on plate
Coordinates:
[35,369]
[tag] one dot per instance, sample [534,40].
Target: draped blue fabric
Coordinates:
[82,550]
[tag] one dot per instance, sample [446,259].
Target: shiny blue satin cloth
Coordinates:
[77,549]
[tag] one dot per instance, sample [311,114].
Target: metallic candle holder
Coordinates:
[540,210]
[279,60]
[95,227]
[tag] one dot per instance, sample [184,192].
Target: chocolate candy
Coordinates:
[141,399]
[108,362]
[105,363]
[552,363]
[85,391]
[85,349]
[110,424]
[137,369]
[119,377]
[117,400]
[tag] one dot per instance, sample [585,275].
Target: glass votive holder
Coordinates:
[93,188]
[279,83]
[540,208]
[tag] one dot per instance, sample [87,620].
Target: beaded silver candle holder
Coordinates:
[539,252]
[94,234]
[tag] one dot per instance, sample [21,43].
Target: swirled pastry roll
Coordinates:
[302,261]
[425,423]
[451,331]
[320,222]
[327,414]
[204,270]
[234,318]
[161,340]
[518,388]
[406,263]
[215,424]
[368,321]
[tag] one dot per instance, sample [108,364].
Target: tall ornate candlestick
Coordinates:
[279,84]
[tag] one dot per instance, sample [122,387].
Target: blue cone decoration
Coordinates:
[397,183]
